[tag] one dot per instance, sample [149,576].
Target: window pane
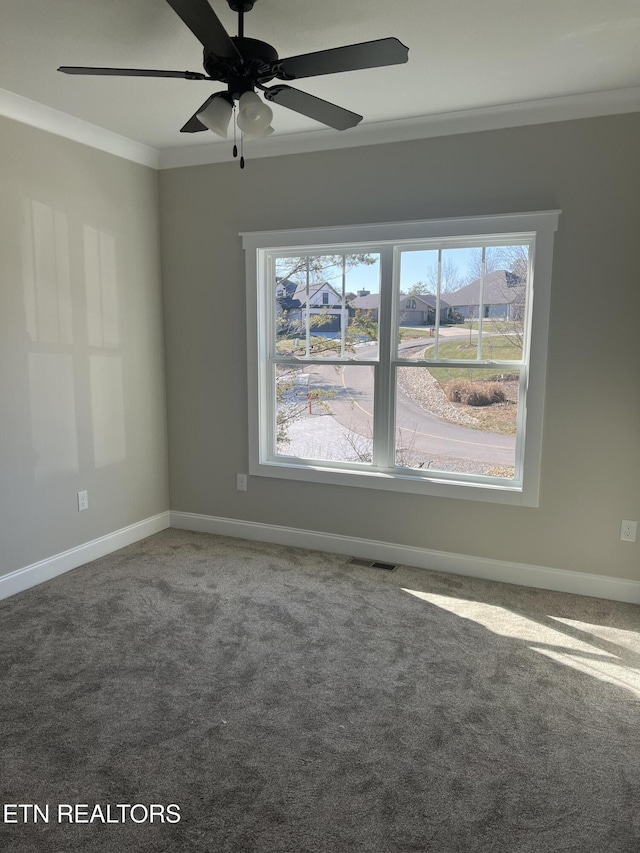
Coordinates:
[492,297]
[362,287]
[422,273]
[418,287]
[456,419]
[313,310]
[482,291]
[326,344]
[310,316]
[504,297]
[325,412]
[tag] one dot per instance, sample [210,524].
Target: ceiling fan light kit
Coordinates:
[254,115]
[259,134]
[246,64]
[216,114]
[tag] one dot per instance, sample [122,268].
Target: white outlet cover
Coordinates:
[628,530]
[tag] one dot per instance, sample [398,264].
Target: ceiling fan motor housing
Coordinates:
[241,75]
[244,6]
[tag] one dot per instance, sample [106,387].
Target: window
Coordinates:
[370,392]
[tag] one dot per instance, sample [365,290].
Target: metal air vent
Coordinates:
[371,564]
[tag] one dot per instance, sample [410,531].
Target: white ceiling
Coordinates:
[464,55]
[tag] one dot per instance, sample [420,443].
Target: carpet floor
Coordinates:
[289,702]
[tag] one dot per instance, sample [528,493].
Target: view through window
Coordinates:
[407,359]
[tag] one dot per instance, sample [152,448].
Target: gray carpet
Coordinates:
[287,701]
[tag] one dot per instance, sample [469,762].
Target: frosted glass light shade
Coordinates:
[258,134]
[216,116]
[254,115]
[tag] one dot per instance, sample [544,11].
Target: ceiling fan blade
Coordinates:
[194,125]
[206,27]
[132,72]
[367,54]
[315,108]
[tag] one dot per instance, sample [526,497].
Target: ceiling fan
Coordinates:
[246,64]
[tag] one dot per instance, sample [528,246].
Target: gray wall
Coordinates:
[82,400]
[591,453]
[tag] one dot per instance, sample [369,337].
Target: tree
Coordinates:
[493,260]
[363,324]
[419,288]
[321,267]
[450,279]
[361,447]
[514,260]
[291,317]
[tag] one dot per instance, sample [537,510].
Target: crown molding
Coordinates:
[565,108]
[54,121]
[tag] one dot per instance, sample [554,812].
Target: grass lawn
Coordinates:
[501,326]
[498,348]
[408,334]
[317,345]
[498,417]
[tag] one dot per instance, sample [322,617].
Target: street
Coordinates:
[420,435]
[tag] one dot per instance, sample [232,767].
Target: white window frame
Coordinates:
[535,228]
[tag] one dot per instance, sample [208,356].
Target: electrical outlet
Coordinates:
[241,482]
[83,501]
[628,530]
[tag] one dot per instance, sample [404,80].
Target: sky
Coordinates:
[415,266]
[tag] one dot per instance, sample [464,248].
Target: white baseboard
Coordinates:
[542,577]
[44,570]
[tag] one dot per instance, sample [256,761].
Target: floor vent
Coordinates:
[372,564]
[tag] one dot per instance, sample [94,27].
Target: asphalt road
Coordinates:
[427,434]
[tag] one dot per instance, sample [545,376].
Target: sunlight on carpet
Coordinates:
[561,646]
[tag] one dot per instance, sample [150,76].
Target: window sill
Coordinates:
[438,485]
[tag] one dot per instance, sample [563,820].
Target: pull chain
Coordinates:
[235,146]
[235,140]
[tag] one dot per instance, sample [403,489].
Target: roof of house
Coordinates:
[428,300]
[424,301]
[289,286]
[366,303]
[500,288]
[301,291]
[295,294]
